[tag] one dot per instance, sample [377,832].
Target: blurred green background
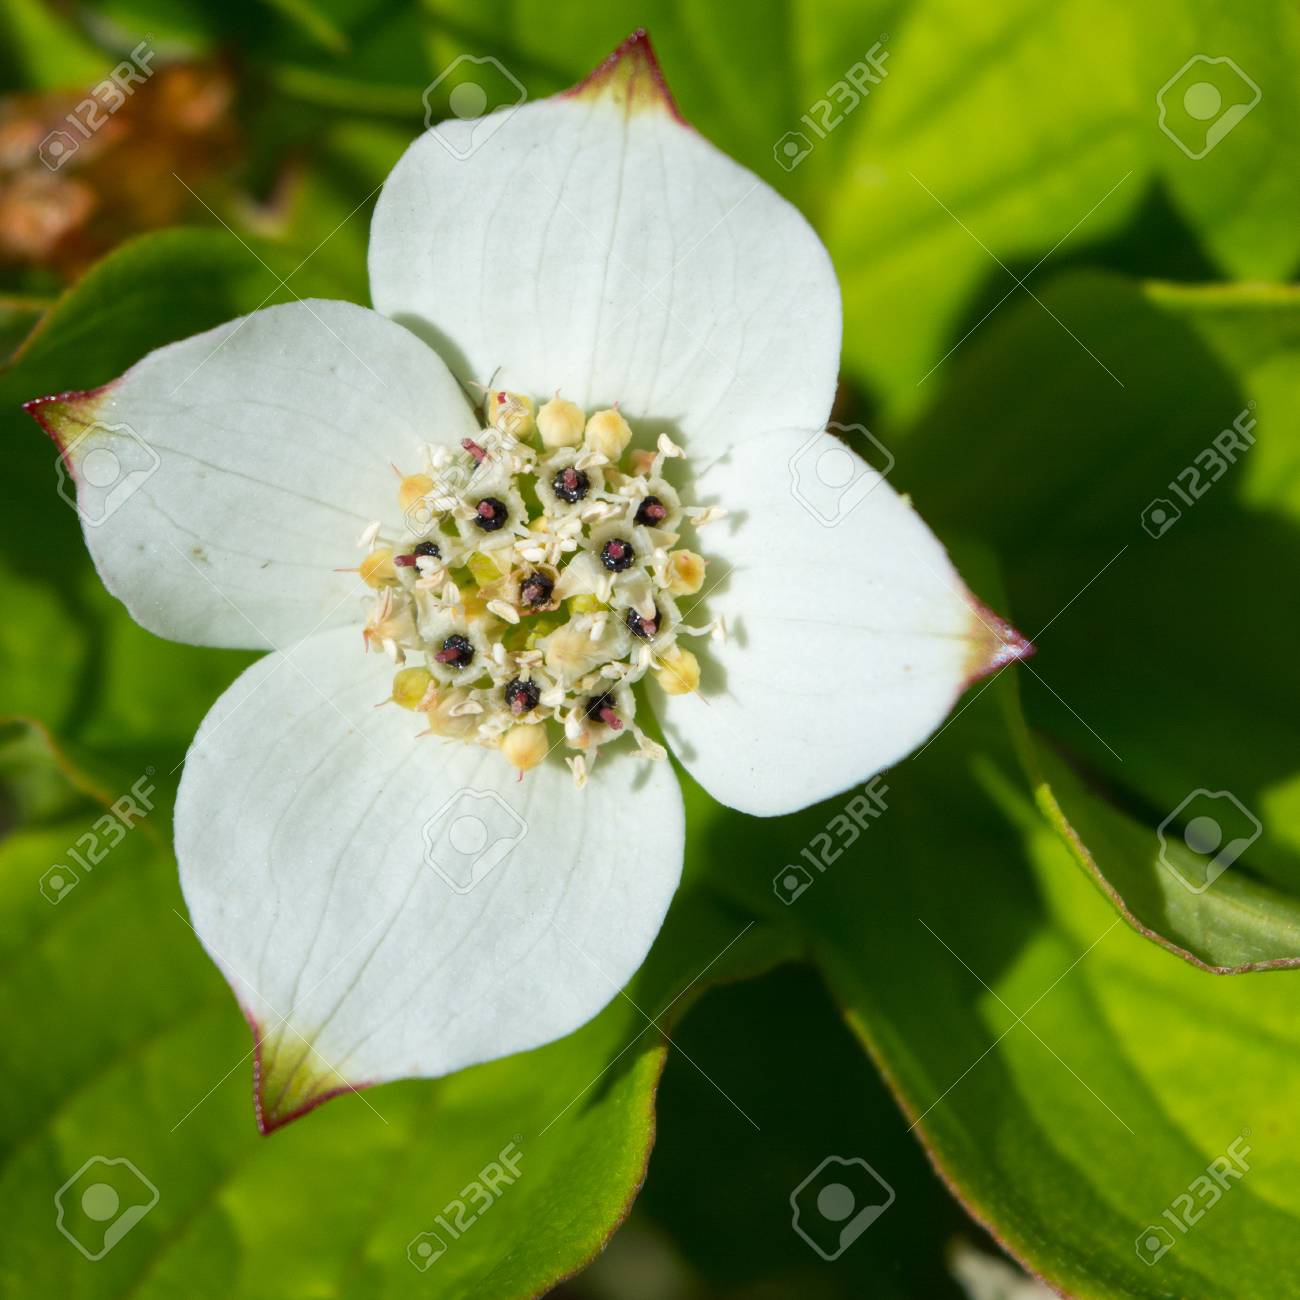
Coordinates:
[1066,235]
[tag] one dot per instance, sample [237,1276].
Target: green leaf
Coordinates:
[1010,135]
[43,650]
[1232,195]
[17,317]
[125,1042]
[1157,655]
[315,23]
[1239,925]
[1070,1080]
[47,50]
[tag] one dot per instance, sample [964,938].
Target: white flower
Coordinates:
[389,900]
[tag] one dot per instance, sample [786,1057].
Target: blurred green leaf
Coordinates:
[1069,1079]
[43,649]
[1234,196]
[46,49]
[1157,654]
[315,23]
[332,203]
[17,317]
[386,68]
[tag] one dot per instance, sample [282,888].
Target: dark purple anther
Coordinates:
[570,484]
[522,696]
[535,590]
[617,554]
[644,628]
[456,651]
[651,511]
[490,514]
[601,709]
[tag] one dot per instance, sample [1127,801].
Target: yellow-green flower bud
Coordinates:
[410,686]
[679,672]
[525,746]
[512,413]
[608,433]
[560,423]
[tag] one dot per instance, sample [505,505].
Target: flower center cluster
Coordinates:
[534,580]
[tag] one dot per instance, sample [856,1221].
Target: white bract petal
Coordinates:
[847,642]
[594,242]
[223,479]
[385,906]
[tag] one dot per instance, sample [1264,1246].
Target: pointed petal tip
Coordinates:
[63,415]
[46,411]
[630,75]
[284,1092]
[996,644]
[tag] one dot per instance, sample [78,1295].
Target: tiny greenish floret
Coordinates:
[533,581]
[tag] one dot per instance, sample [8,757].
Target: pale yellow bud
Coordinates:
[641,461]
[410,686]
[679,672]
[608,433]
[560,423]
[685,573]
[512,413]
[412,488]
[377,568]
[525,746]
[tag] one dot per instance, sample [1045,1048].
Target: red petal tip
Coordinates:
[52,412]
[630,74]
[997,644]
[294,1096]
